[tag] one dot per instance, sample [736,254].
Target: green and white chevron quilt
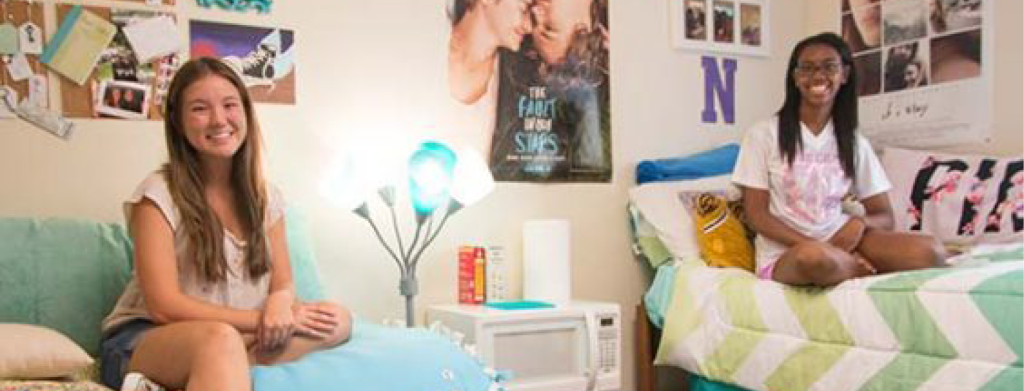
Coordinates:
[955,328]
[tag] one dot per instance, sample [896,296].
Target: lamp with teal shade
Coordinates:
[441,183]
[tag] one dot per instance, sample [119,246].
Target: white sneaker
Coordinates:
[137,382]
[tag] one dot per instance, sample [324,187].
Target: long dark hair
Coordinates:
[844,109]
[201,227]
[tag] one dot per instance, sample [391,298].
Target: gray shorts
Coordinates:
[116,350]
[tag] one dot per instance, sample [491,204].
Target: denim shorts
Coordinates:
[116,350]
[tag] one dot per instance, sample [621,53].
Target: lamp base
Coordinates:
[408,287]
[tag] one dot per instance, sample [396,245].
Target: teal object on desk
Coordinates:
[519,305]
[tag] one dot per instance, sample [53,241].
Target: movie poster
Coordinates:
[547,77]
[263,56]
[924,69]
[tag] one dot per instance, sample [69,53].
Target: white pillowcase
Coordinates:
[660,205]
[36,352]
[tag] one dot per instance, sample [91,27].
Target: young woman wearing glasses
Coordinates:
[795,169]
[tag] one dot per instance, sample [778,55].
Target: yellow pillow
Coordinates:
[721,235]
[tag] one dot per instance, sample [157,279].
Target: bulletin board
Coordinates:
[17,13]
[86,101]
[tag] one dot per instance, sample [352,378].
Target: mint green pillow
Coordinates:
[67,274]
[305,275]
[63,274]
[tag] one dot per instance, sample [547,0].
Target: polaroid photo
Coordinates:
[123,99]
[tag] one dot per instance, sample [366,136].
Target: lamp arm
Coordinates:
[430,238]
[430,225]
[394,224]
[415,239]
[376,231]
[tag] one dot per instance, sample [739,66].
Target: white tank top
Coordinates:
[237,291]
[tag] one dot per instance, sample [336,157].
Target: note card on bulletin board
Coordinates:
[18,13]
[76,47]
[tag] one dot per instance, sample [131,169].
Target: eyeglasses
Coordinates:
[809,69]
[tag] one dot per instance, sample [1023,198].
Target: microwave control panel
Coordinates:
[607,341]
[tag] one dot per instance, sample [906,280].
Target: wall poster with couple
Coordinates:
[543,66]
[924,69]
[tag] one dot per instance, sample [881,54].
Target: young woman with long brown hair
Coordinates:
[212,291]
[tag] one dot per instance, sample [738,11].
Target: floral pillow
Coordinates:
[39,385]
[961,199]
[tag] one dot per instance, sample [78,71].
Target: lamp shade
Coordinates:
[473,179]
[360,171]
[347,184]
[431,169]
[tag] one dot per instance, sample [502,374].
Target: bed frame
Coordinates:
[647,337]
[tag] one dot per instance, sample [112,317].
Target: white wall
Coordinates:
[374,70]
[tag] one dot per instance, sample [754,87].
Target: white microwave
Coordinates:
[576,347]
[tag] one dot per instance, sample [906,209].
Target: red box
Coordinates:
[467,277]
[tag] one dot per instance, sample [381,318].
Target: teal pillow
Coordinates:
[67,274]
[305,275]
[658,298]
[379,358]
[698,383]
[63,274]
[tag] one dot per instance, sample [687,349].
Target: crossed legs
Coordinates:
[215,356]
[299,346]
[194,356]
[821,264]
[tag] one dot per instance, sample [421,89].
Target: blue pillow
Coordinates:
[712,162]
[379,358]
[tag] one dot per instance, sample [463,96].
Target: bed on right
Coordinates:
[952,328]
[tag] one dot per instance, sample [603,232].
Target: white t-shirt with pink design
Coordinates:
[808,195]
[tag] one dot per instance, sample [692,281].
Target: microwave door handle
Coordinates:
[591,323]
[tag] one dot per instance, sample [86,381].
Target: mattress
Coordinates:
[954,328]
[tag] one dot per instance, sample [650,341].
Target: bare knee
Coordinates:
[175,354]
[925,252]
[344,330]
[813,262]
[220,338]
[812,259]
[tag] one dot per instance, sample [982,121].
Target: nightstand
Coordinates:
[568,348]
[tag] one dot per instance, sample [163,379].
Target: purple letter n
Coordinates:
[713,86]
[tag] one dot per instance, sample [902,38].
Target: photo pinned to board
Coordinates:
[123,99]
[263,56]
[121,62]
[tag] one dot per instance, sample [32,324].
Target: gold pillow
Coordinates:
[36,352]
[723,239]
